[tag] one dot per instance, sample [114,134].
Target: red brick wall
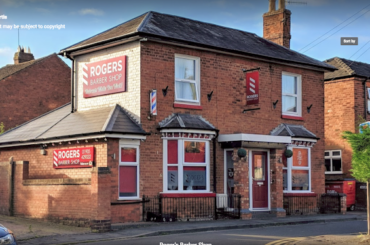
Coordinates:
[344,110]
[71,204]
[34,90]
[222,74]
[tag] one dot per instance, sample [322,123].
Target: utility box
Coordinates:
[347,187]
[361,196]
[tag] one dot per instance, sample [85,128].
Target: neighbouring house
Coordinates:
[347,97]
[174,109]
[30,88]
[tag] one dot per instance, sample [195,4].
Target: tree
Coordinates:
[360,144]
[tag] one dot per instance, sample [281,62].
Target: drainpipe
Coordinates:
[72,82]
[365,98]
[214,163]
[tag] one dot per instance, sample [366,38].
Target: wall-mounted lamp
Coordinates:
[309,108]
[42,149]
[113,156]
[96,140]
[209,96]
[105,139]
[274,103]
[164,91]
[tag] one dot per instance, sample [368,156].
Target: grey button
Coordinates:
[349,41]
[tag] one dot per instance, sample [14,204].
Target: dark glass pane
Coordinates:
[194,178]
[327,165]
[337,165]
[172,179]
[336,153]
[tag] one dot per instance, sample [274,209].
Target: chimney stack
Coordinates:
[276,24]
[21,56]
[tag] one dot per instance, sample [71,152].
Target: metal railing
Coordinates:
[169,209]
[306,205]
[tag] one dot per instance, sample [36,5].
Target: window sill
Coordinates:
[129,199]
[188,194]
[333,172]
[187,106]
[298,194]
[292,117]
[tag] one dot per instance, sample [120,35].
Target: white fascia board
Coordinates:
[305,139]
[119,136]
[254,138]
[193,131]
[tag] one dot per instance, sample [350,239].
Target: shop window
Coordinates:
[297,171]
[186,165]
[333,162]
[291,95]
[187,79]
[129,172]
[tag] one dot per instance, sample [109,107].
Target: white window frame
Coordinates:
[130,144]
[298,95]
[290,167]
[196,81]
[331,157]
[181,164]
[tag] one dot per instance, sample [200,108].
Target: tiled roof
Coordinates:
[186,121]
[297,131]
[347,68]
[174,28]
[9,70]
[61,123]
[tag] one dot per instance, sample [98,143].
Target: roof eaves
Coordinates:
[110,119]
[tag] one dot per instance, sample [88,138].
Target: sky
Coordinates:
[316,25]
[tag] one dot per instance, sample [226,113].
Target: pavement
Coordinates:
[29,231]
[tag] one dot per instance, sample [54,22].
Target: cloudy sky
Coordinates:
[317,25]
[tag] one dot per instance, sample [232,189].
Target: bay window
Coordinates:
[291,95]
[187,79]
[297,170]
[128,172]
[186,165]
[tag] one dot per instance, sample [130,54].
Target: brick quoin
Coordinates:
[34,90]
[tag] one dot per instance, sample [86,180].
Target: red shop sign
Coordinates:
[104,77]
[74,158]
[252,88]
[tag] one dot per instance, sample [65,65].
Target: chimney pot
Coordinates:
[272,5]
[281,4]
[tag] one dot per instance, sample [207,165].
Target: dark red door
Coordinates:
[260,182]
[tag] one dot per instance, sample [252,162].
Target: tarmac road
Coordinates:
[344,233]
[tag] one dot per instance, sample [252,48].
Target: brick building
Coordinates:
[164,105]
[346,105]
[23,82]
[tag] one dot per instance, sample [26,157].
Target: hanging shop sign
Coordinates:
[104,77]
[252,88]
[74,158]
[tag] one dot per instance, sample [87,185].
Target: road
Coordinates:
[258,236]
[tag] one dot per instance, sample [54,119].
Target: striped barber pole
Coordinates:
[55,158]
[153,102]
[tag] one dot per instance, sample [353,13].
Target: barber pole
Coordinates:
[153,102]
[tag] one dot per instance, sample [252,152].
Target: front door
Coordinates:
[260,184]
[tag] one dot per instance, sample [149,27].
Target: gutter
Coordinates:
[72,81]
[365,98]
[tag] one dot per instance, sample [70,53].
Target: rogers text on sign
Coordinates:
[73,158]
[104,77]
